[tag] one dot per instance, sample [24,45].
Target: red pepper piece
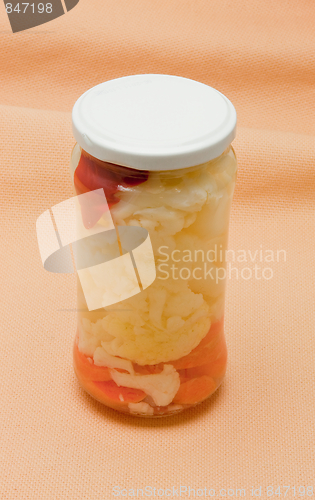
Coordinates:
[92,174]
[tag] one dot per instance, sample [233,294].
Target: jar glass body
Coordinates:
[163,349]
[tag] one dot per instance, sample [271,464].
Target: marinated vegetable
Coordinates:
[163,349]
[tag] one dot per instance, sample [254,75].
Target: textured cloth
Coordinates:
[258,428]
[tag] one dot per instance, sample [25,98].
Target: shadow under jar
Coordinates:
[159,148]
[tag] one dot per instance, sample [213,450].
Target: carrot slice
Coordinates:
[195,390]
[215,329]
[197,357]
[86,367]
[215,366]
[203,352]
[120,394]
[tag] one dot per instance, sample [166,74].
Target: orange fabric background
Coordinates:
[258,429]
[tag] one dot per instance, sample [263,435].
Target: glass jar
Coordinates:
[156,346]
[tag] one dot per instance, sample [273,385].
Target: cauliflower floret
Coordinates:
[123,210]
[171,221]
[102,358]
[191,194]
[178,320]
[137,304]
[162,387]
[174,323]
[91,336]
[157,299]
[87,342]
[183,303]
[160,324]
[117,327]
[214,217]
[223,172]
[149,345]
[160,239]
[111,282]
[141,408]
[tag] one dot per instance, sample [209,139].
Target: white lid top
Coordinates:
[154,122]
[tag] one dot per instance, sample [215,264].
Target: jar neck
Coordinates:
[132,172]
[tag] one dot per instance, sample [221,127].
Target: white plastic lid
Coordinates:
[154,122]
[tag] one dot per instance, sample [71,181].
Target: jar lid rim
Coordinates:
[154,122]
